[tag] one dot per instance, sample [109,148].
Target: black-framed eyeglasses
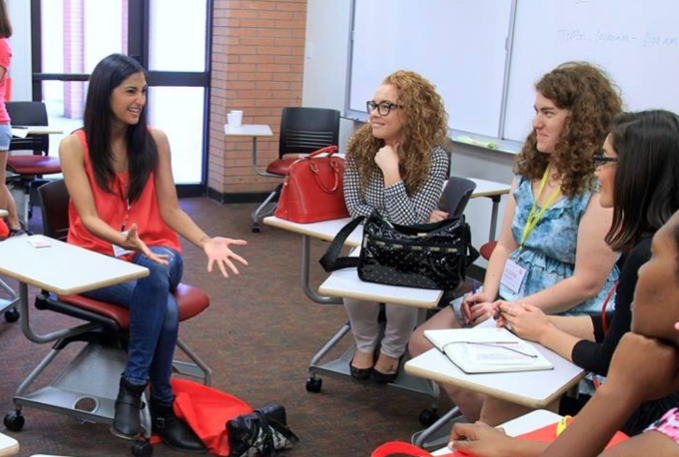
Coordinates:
[600,160]
[383,108]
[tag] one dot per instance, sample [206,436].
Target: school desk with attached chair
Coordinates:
[533,389]
[346,284]
[326,231]
[86,389]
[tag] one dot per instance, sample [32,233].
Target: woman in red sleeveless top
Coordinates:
[124,203]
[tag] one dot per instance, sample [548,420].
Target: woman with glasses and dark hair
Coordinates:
[551,252]
[124,204]
[637,171]
[395,166]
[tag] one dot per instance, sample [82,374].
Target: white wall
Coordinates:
[20,69]
[325,75]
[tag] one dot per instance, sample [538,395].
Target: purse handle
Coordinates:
[330,150]
[336,172]
[331,260]
[401,448]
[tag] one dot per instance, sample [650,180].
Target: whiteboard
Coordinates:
[635,41]
[459,45]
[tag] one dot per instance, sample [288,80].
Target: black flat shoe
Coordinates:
[362,374]
[383,378]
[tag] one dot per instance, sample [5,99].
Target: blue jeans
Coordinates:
[154,321]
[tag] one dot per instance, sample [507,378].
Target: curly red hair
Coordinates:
[425,124]
[593,101]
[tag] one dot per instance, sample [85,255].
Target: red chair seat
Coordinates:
[281,166]
[26,164]
[192,301]
[487,249]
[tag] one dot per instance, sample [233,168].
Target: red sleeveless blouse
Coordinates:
[112,209]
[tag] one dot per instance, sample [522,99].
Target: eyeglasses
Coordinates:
[383,108]
[600,160]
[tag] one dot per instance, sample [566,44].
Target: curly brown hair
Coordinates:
[425,124]
[592,101]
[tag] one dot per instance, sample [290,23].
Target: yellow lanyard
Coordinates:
[534,219]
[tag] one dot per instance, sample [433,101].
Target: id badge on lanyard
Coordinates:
[512,276]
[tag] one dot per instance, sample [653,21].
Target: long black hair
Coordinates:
[5,24]
[142,151]
[646,183]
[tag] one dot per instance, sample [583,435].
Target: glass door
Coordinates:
[167,38]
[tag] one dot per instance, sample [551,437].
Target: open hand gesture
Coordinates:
[134,243]
[218,251]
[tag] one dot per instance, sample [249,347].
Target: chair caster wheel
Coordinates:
[428,417]
[314,385]
[255,228]
[12,315]
[14,421]
[142,448]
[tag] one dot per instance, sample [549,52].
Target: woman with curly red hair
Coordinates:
[395,166]
[552,251]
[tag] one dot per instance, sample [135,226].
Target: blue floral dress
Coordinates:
[549,252]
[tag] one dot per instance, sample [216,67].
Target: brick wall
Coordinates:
[257,66]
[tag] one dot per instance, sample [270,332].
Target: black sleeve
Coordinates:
[596,357]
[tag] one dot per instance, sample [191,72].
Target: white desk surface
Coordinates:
[8,445]
[63,268]
[325,230]
[520,425]
[248,130]
[489,188]
[345,283]
[535,389]
[21,132]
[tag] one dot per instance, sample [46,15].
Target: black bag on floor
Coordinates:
[260,434]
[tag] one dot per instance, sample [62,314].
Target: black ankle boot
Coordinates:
[128,404]
[175,433]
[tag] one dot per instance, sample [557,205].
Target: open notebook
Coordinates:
[487,350]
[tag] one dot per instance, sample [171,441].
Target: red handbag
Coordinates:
[313,189]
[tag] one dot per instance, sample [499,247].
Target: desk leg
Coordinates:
[420,438]
[47,337]
[9,303]
[493,216]
[254,151]
[323,300]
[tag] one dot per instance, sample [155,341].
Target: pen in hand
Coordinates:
[467,305]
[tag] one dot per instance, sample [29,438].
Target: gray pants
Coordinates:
[401,321]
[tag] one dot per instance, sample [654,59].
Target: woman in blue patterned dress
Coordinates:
[551,252]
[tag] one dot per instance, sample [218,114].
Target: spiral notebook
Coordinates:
[487,350]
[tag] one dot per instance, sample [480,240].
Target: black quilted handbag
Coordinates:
[260,433]
[425,256]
